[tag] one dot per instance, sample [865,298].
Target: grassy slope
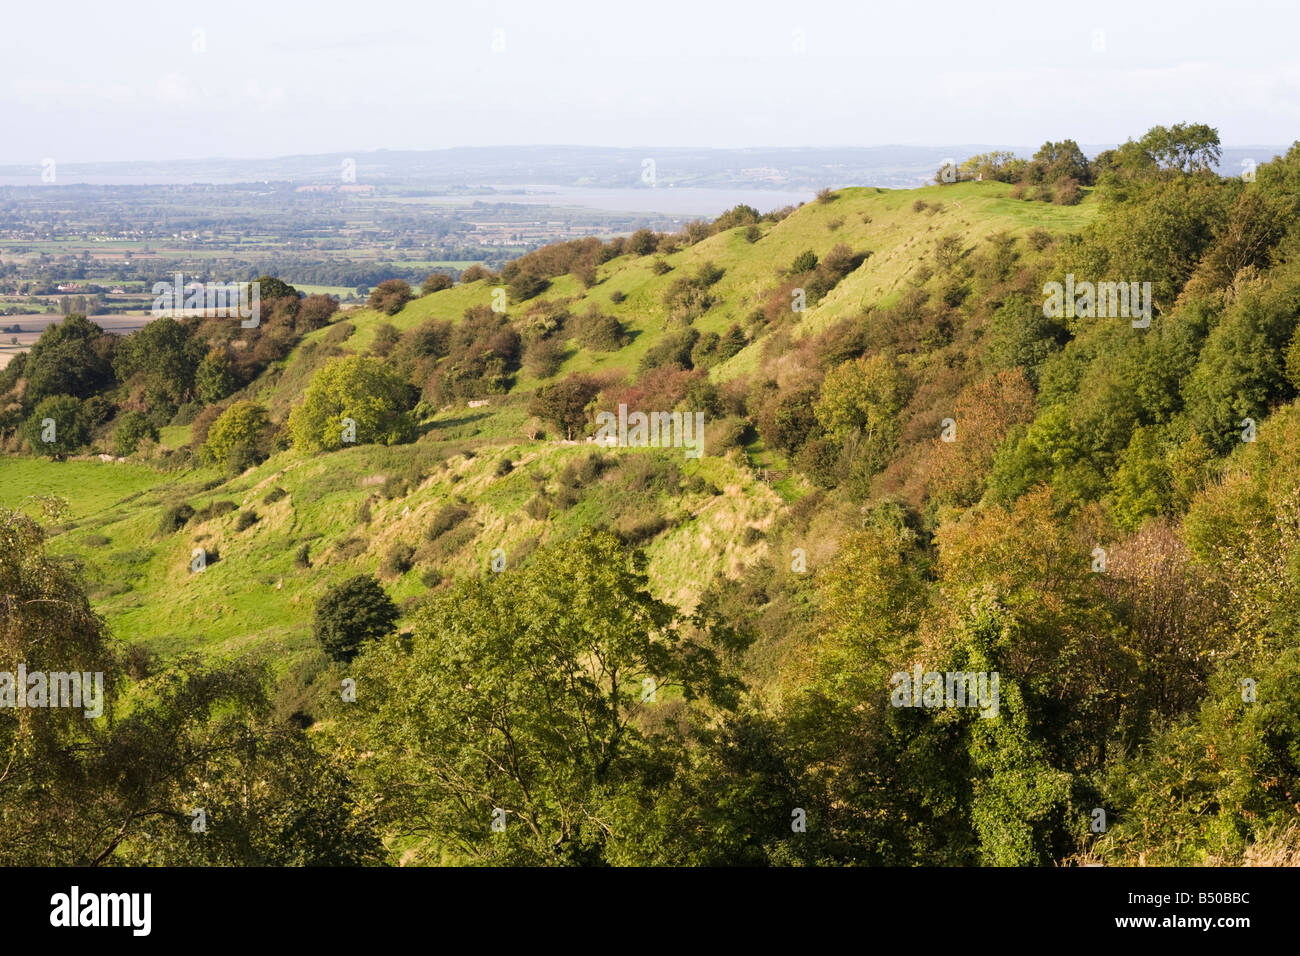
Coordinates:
[255,598]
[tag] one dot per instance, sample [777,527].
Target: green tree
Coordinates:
[1187,147]
[522,698]
[214,378]
[862,396]
[564,403]
[806,261]
[57,426]
[269,287]
[361,388]
[132,428]
[71,358]
[114,781]
[356,611]
[161,356]
[238,432]
[1241,370]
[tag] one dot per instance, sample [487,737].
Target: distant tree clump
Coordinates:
[356,611]
[270,288]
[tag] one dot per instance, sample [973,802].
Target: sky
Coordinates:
[98,81]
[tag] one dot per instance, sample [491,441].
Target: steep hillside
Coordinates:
[917,472]
[257,598]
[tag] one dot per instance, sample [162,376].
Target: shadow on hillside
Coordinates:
[447,424]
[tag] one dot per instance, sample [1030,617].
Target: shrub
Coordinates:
[504,467]
[636,529]
[242,459]
[431,578]
[526,285]
[215,377]
[215,510]
[564,403]
[753,234]
[303,557]
[339,333]
[386,338]
[660,267]
[543,357]
[314,312]
[673,349]
[641,243]
[246,520]
[731,342]
[356,611]
[448,517]
[390,296]
[827,195]
[1067,192]
[476,272]
[601,333]
[350,547]
[583,471]
[399,559]
[482,351]
[616,297]
[806,261]
[274,495]
[174,518]
[436,282]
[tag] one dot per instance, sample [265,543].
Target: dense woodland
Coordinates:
[505,718]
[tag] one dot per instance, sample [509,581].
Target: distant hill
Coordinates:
[606,167]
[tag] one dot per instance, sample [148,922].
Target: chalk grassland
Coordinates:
[351,508]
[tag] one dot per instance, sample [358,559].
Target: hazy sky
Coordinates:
[134,80]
